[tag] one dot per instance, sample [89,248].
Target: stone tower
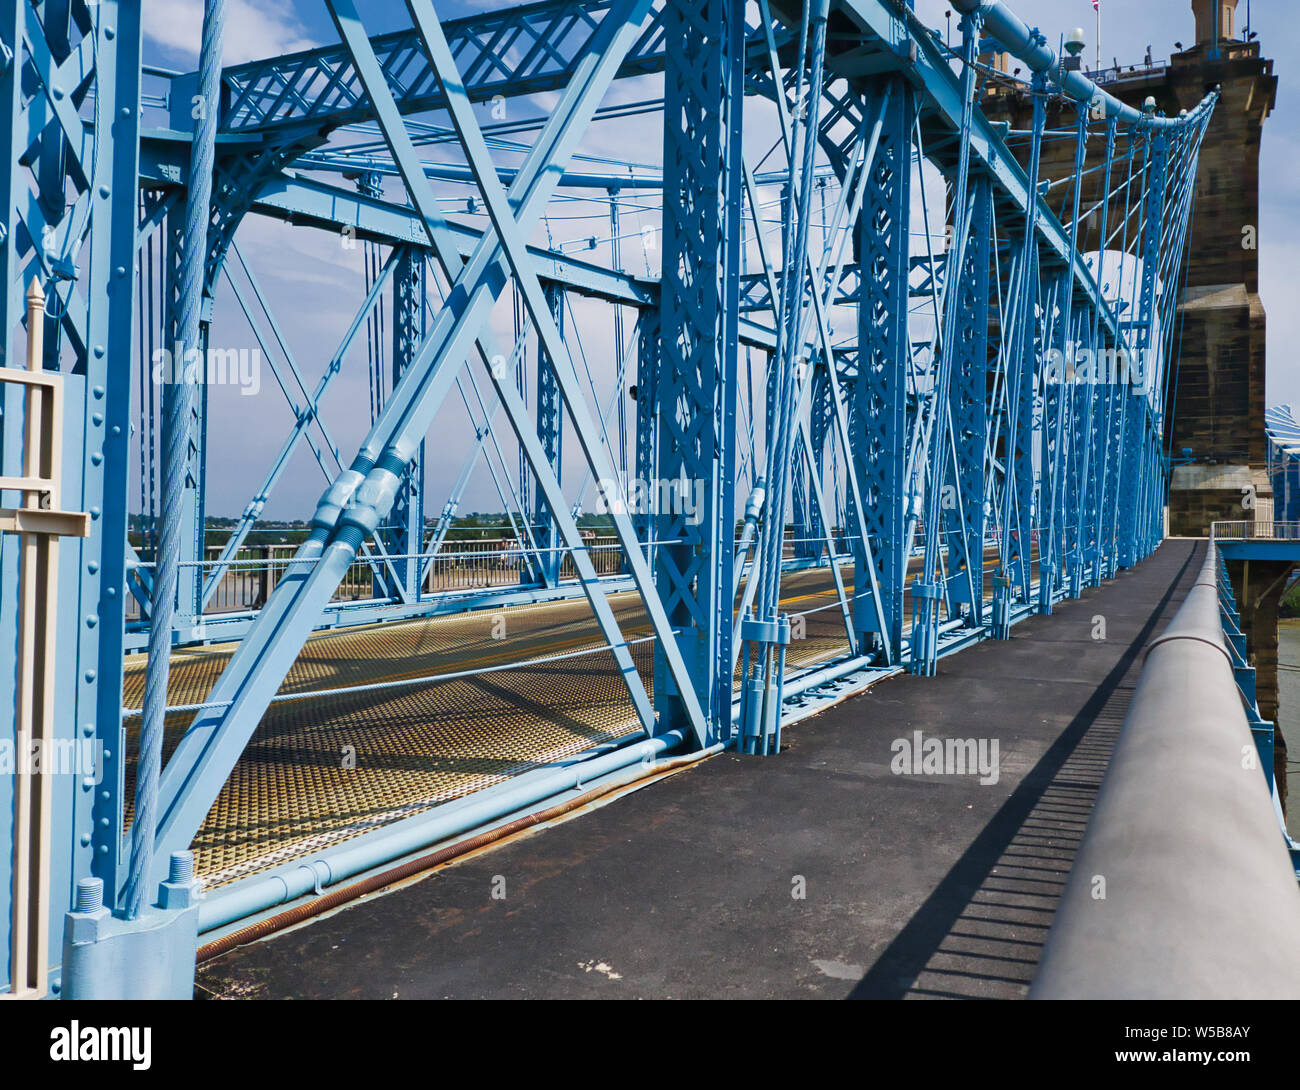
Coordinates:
[1206,11]
[1214,419]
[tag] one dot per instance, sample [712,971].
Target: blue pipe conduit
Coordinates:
[415,834]
[1030,46]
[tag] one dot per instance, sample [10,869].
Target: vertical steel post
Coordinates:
[969,413]
[647,374]
[403,534]
[927,591]
[178,405]
[550,429]
[1051,445]
[1015,548]
[1070,431]
[68,221]
[819,430]
[878,401]
[1097,554]
[1137,426]
[695,388]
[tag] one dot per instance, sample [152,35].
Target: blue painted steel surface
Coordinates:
[1284,462]
[694,392]
[939,433]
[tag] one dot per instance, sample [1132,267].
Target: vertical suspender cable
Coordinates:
[792,299]
[178,401]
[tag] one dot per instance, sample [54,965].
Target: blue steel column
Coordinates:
[1079,522]
[1120,462]
[1051,442]
[969,412]
[97,836]
[1099,400]
[1022,497]
[1070,432]
[819,427]
[404,534]
[647,373]
[45,81]
[192,514]
[178,401]
[695,395]
[1137,424]
[1102,397]
[927,592]
[1014,549]
[1075,467]
[878,416]
[550,429]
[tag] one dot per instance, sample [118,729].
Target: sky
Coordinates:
[313,284]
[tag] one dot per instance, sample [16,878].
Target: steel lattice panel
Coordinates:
[421,746]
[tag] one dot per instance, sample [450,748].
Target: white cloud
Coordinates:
[264,28]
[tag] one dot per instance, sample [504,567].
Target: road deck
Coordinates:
[817,873]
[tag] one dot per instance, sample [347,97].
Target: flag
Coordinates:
[1096,5]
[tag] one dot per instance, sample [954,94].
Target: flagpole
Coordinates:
[1098,7]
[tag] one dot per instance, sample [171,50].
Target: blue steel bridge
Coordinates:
[853,384]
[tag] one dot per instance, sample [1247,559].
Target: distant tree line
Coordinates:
[475,526]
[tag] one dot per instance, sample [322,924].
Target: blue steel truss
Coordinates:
[969,425]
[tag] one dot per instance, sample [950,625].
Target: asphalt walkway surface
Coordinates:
[828,871]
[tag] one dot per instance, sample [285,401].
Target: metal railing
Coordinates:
[1120,73]
[1255,531]
[1183,887]
[457,565]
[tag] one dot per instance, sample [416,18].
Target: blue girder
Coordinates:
[932,419]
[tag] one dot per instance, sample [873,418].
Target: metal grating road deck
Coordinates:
[416,747]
